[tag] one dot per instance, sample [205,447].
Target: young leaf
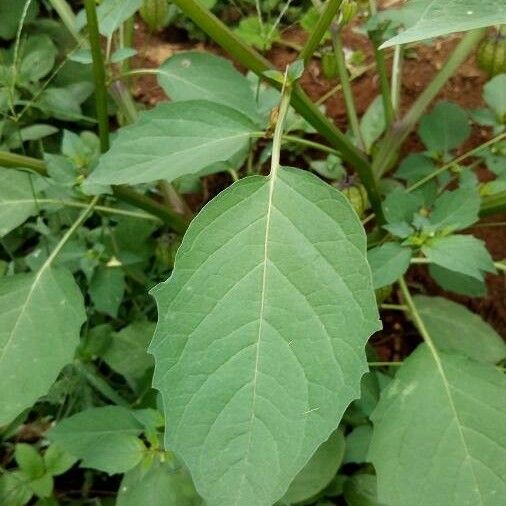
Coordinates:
[102,438]
[259,346]
[57,461]
[460,253]
[257,33]
[173,140]
[399,208]
[454,327]
[444,128]
[456,282]
[361,490]
[455,210]
[357,445]
[29,460]
[194,75]
[159,485]
[40,318]
[106,289]
[440,433]
[494,94]
[127,352]
[372,124]
[388,263]
[442,17]
[319,470]
[16,199]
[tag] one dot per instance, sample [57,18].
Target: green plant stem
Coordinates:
[68,18]
[396,83]
[346,86]
[379,58]
[70,232]
[103,209]
[389,147]
[278,131]
[419,324]
[98,74]
[123,99]
[500,266]
[248,57]
[394,307]
[309,144]
[326,17]
[175,221]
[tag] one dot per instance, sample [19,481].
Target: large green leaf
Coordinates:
[442,17]
[162,484]
[40,318]
[454,327]
[319,471]
[102,438]
[259,346]
[173,140]
[16,199]
[194,75]
[440,433]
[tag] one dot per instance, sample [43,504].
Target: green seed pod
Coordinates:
[154,13]
[358,198]
[329,65]
[491,54]
[349,9]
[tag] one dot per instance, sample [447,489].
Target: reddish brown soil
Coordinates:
[464,88]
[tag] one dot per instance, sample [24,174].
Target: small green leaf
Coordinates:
[162,484]
[127,351]
[494,94]
[388,263]
[454,327]
[440,432]
[331,167]
[457,282]
[287,244]
[57,461]
[102,438]
[14,489]
[357,445]
[82,56]
[122,54]
[442,17]
[16,199]
[40,318]
[38,56]
[43,486]
[106,289]
[173,140]
[29,460]
[361,490]
[460,253]
[10,14]
[400,206]
[193,75]
[444,128]
[372,124]
[256,33]
[319,471]
[455,210]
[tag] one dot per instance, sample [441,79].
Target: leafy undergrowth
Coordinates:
[212,295]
